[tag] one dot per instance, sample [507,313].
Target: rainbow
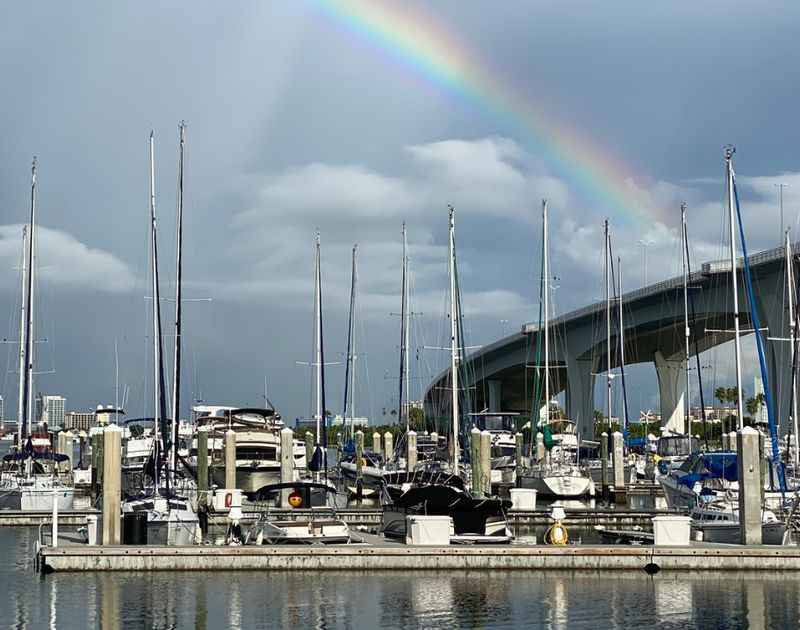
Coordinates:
[417,41]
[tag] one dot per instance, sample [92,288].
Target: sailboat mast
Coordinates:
[609,376]
[622,348]
[27,394]
[176,375]
[23,321]
[349,376]
[317,335]
[793,339]
[403,396]
[157,373]
[729,151]
[687,330]
[453,335]
[546,286]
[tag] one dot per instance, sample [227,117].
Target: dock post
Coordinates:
[619,468]
[202,479]
[733,441]
[475,457]
[81,448]
[388,445]
[540,450]
[287,463]
[726,441]
[750,485]
[54,530]
[112,484]
[376,442]
[411,446]
[230,459]
[309,447]
[604,464]
[97,463]
[518,472]
[359,457]
[486,462]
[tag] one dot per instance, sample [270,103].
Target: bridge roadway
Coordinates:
[499,376]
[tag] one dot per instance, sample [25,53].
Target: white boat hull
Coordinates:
[730,533]
[560,486]
[36,496]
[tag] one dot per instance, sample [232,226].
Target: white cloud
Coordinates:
[63,263]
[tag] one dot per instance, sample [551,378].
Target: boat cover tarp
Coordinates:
[29,452]
[717,465]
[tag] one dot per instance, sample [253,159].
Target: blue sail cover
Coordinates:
[717,465]
[317,462]
[28,451]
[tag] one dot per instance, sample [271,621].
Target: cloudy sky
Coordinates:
[350,118]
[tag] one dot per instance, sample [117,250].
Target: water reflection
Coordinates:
[389,599]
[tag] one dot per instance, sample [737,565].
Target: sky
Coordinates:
[351,117]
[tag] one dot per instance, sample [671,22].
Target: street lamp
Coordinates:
[780,188]
[644,253]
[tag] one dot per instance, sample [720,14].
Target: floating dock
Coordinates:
[388,556]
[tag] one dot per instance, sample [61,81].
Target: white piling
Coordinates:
[230,459]
[618,457]
[309,440]
[388,446]
[54,530]
[486,462]
[540,450]
[750,484]
[411,455]
[376,442]
[287,463]
[475,456]
[112,486]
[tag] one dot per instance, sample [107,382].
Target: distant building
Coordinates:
[50,409]
[338,421]
[79,420]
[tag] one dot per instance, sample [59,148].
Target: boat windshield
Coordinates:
[676,445]
[496,422]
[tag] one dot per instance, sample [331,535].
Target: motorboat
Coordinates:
[317,523]
[700,477]
[474,519]
[258,446]
[31,481]
[717,521]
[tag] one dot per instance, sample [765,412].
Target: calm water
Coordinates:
[387,600]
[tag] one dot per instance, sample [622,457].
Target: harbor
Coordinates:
[398,314]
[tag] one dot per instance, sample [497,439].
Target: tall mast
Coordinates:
[349,376]
[176,375]
[729,151]
[792,338]
[23,322]
[403,396]
[453,334]
[158,364]
[609,376]
[687,330]
[27,394]
[622,348]
[546,286]
[317,335]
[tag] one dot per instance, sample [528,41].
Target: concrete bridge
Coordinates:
[500,378]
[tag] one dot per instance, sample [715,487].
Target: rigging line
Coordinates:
[776,459]
[696,340]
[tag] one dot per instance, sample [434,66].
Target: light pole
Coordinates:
[503,325]
[780,188]
[644,253]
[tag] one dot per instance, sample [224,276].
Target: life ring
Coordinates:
[556,534]
[295,499]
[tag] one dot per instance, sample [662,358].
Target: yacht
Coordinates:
[258,445]
[558,473]
[717,521]
[30,481]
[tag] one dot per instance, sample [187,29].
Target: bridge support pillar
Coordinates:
[495,395]
[671,388]
[580,395]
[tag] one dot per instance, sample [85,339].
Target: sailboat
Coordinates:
[30,481]
[171,519]
[475,517]
[557,474]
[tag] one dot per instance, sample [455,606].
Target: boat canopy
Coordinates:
[29,452]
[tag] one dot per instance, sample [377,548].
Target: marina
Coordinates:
[390,314]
